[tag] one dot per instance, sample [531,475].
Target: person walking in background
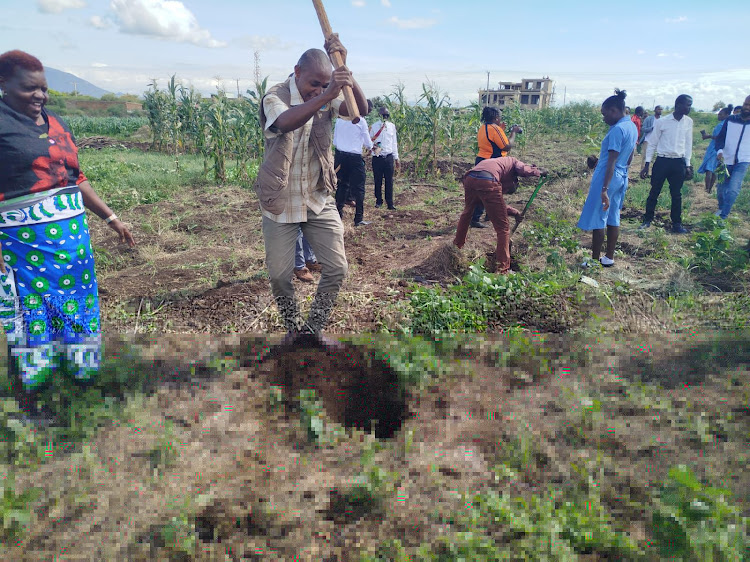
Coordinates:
[638,118]
[296,180]
[384,157]
[50,301]
[733,149]
[492,143]
[305,262]
[486,182]
[708,165]
[348,140]
[647,128]
[610,179]
[672,142]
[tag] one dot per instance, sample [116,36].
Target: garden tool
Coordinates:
[542,181]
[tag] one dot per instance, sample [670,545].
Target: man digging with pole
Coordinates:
[297,177]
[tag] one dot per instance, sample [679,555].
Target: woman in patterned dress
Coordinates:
[49,303]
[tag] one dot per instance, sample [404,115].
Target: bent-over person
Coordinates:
[296,180]
[485,183]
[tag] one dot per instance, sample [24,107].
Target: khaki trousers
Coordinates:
[325,234]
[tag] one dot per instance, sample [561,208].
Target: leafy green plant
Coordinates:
[693,521]
[716,252]
[15,510]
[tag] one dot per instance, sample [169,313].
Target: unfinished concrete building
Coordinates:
[529,93]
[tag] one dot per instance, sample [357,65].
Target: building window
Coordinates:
[534,100]
[524,99]
[538,85]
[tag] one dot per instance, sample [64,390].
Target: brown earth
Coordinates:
[250,485]
[247,482]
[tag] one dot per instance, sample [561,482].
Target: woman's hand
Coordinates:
[123,232]
[605,200]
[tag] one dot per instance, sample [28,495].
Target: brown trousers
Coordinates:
[490,194]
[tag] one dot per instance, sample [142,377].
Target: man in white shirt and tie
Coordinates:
[672,142]
[384,157]
[348,139]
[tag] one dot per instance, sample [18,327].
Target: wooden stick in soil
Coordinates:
[337,60]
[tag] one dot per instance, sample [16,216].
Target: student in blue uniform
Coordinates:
[609,180]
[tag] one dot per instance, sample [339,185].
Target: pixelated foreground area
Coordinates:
[393,448]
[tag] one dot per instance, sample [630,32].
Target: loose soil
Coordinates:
[248,484]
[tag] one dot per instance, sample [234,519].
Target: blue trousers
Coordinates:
[304,252]
[727,191]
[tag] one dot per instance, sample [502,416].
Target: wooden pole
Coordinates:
[337,60]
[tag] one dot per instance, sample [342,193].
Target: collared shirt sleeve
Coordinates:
[524,170]
[272,107]
[366,140]
[689,142]
[653,142]
[721,138]
[395,143]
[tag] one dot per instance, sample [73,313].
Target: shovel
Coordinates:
[542,181]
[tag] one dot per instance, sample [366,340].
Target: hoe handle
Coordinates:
[337,61]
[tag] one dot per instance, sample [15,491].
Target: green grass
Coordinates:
[115,127]
[126,178]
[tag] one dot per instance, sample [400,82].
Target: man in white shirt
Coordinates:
[384,158]
[672,142]
[733,148]
[348,140]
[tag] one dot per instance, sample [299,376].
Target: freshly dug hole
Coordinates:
[356,387]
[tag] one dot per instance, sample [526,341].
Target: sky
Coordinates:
[654,50]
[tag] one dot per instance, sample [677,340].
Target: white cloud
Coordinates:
[99,22]
[415,23]
[386,3]
[167,19]
[99,64]
[359,3]
[640,52]
[260,42]
[57,6]
[676,20]
[662,55]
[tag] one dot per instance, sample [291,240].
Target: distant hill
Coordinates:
[67,83]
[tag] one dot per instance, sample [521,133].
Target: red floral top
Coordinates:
[33,157]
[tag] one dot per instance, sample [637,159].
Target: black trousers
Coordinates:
[382,168]
[351,182]
[673,171]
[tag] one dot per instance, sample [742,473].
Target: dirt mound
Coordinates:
[356,387]
[445,262]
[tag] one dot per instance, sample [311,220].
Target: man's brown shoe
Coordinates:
[314,266]
[303,275]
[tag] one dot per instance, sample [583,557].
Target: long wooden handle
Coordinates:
[337,61]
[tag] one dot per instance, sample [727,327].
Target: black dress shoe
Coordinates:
[645,225]
[362,223]
[378,205]
[391,208]
[679,229]
[477,224]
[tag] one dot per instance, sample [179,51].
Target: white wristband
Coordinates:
[110,218]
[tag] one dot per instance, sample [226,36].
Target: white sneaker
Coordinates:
[606,262]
